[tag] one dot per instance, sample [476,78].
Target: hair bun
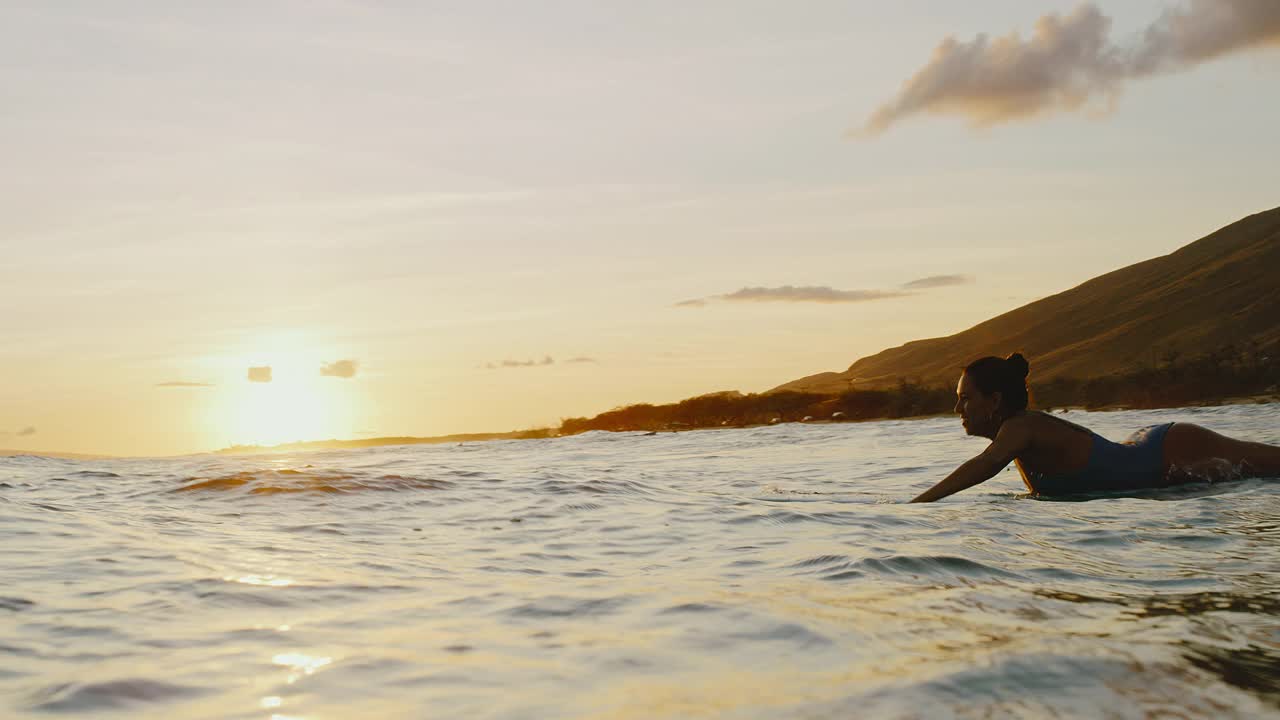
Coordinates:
[1018,364]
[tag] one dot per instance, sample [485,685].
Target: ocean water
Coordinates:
[773,572]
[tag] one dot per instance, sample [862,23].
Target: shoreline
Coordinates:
[550,433]
[1262,399]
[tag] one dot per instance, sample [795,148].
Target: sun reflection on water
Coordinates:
[301,664]
[260,580]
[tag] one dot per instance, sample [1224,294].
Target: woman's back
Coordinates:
[1075,459]
[1058,447]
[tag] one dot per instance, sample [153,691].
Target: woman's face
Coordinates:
[977,409]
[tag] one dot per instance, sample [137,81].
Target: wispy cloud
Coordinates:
[582,359]
[824,294]
[340,369]
[937,281]
[24,432]
[1070,62]
[260,374]
[813,293]
[520,363]
[183,384]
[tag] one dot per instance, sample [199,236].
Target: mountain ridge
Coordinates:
[1221,289]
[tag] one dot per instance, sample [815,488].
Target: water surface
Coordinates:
[773,572]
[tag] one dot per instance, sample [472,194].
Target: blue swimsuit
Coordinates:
[1135,464]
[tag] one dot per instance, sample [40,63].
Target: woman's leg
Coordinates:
[1193,452]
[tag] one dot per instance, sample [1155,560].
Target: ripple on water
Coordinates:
[319,528]
[746,636]
[559,606]
[92,474]
[691,607]
[933,568]
[113,695]
[16,604]
[1181,605]
[287,481]
[820,561]
[1251,668]
[790,633]
[1121,685]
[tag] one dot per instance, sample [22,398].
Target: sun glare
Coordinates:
[282,411]
[295,404]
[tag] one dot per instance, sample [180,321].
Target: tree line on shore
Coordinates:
[1163,379]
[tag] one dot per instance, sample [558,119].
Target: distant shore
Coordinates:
[544,433]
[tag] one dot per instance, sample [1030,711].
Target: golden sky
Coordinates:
[437,218]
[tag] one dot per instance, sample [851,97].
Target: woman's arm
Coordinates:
[1013,438]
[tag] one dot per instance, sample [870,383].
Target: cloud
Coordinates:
[26,431]
[339,369]
[183,384]
[818,294]
[1204,30]
[1069,62]
[260,374]
[520,363]
[937,281]
[828,295]
[582,359]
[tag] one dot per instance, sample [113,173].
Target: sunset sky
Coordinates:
[429,218]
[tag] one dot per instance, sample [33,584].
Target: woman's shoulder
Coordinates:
[1042,422]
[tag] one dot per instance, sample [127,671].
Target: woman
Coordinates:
[1056,457]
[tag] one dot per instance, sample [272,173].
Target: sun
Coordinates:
[284,410]
[297,403]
